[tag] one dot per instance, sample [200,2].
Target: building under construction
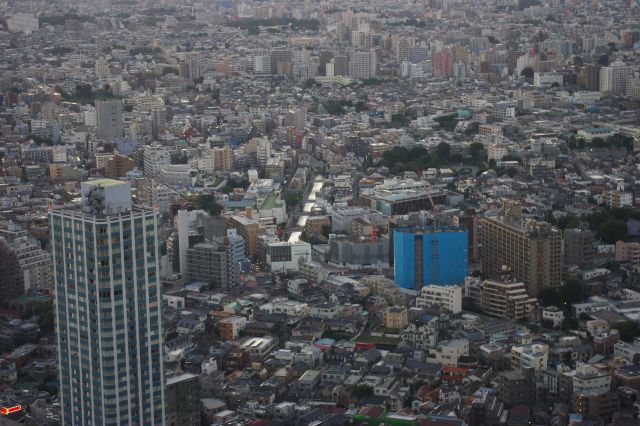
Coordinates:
[430,255]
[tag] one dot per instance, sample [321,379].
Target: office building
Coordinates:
[285,256]
[579,247]
[530,250]
[183,400]
[109,119]
[212,263]
[107,309]
[427,255]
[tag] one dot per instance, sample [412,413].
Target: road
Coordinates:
[309,202]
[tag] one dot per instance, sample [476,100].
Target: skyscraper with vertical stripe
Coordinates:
[107,300]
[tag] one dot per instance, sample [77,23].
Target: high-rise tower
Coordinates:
[107,301]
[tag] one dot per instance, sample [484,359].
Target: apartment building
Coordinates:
[531,250]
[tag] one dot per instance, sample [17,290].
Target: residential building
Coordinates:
[449,351]
[212,263]
[23,22]
[502,299]
[229,328]
[118,166]
[30,266]
[395,317]
[617,199]
[363,65]
[448,297]
[531,250]
[628,252]
[109,119]
[579,247]
[614,78]
[535,355]
[103,383]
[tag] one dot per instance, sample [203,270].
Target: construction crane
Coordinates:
[434,240]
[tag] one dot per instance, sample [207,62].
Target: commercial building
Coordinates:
[107,309]
[448,297]
[109,119]
[399,202]
[530,250]
[183,400]
[427,255]
[283,255]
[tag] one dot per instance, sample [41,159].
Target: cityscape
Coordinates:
[262,213]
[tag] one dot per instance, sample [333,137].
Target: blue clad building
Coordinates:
[427,255]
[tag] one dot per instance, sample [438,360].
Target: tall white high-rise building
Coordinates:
[153,158]
[107,309]
[363,64]
[613,79]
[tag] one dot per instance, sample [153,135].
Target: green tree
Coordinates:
[443,150]
[46,320]
[527,72]
[292,199]
[364,391]
[628,330]
[612,230]
[598,143]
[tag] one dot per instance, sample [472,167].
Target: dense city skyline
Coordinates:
[247,212]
